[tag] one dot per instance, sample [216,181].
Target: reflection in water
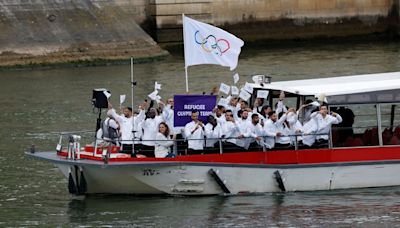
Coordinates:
[37,102]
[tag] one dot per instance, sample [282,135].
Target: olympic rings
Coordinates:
[212,44]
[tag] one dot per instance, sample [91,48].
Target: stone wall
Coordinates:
[45,31]
[275,19]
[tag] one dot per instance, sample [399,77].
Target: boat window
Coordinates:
[358,128]
[390,118]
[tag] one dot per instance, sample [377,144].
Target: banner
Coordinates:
[207,44]
[185,104]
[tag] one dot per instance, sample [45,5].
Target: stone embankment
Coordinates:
[40,32]
[36,32]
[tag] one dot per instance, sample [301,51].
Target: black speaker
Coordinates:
[99,99]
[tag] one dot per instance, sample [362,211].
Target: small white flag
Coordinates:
[248,87]
[236,78]
[122,98]
[315,103]
[244,95]
[157,86]
[262,93]
[224,88]
[234,90]
[107,94]
[223,102]
[153,95]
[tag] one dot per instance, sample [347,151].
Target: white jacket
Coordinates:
[198,135]
[162,147]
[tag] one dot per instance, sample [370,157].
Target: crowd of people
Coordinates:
[236,126]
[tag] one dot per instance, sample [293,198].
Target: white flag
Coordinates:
[248,87]
[107,94]
[122,98]
[224,88]
[207,44]
[236,78]
[157,86]
[223,102]
[234,90]
[244,95]
[262,93]
[153,95]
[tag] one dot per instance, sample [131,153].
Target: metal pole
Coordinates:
[186,78]
[379,118]
[184,53]
[132,83]
[133,118]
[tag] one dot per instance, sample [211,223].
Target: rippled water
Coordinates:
[36,103]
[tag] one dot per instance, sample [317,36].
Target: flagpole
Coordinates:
[187,82]
[132,83]
[184,53]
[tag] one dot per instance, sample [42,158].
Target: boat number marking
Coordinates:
[150,172]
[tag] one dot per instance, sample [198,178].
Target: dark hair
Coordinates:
[247,103]
[194,111]
[271,113]
[129,108]
[239,113]
[220,107]
[166,129]
[254,115]
[308,101]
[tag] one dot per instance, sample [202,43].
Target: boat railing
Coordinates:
[294,144]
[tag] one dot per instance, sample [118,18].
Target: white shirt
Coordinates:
[309,129]
[295,127]
[270,130]
[126,126]
[168,115]
[221,120]
[198,134]
[212,135]
[150,129]
[232,130]
[324,124]
[252,132]
[137,126]
[162,147]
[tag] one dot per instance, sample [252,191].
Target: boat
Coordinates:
[369,157]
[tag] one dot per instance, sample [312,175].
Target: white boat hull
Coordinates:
[189,179]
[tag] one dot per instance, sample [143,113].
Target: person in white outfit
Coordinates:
[253,133]
[270,129]
[324,123]
[213,132]
[231,131]
[163,142]
[150,128]
[125,122]
[194,133]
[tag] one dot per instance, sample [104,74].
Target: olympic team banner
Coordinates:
[207,44]
[185,104]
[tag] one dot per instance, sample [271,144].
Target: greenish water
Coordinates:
[35,103]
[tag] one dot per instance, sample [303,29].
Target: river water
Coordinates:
[36,103]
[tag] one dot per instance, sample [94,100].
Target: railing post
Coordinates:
[220,146]
[175,148]
[379,118]
[296,144]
